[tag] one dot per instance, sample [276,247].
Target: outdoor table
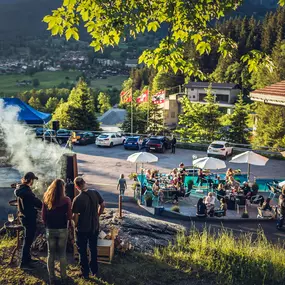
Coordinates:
[18,228]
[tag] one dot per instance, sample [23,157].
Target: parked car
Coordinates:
[85,138]
[135,142]
[158,143]
[220,148]
[63,135]
[110,139]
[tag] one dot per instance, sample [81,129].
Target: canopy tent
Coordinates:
[251,158]
[27,114]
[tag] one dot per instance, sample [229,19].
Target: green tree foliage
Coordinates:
[35,103]
[238,122]
[263,77]
[156,120]
[104,102]
[109,22]
[44,94]
[163,80]
[200,122]
[270,127]
[78,113]
[51,104]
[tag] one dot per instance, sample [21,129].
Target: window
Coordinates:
[112,136]
[222,98]
[172,114]
[194,96]
[202,97]
[192,89]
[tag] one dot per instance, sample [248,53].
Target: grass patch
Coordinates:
[233,260]
[8,83]
[199,258]
[109,82]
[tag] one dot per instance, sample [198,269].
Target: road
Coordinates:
[101,168]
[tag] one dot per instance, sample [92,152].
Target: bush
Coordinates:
[175,209]
[243,260]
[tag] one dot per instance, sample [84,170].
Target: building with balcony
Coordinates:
[225,93]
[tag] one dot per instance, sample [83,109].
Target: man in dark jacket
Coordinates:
[28,206]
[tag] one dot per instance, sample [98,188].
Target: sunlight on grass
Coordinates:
[233,260]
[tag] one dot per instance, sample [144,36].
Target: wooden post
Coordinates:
[120,206]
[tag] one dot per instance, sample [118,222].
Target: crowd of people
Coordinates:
[59,214]
[173,182]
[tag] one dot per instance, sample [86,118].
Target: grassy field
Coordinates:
[8,83]
[109,82]
[196,259]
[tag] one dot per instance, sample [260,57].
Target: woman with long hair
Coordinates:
[57,215]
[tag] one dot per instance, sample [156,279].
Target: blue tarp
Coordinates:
[27,114]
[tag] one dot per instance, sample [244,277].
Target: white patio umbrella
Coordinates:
[251,158]
[209,163]
[142,157]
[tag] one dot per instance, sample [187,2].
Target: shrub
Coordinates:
[243,260]
[175,209]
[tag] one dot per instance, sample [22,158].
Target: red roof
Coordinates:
[277,89]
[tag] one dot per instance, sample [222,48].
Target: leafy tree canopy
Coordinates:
[108,22]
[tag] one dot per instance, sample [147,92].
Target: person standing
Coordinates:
[28,206]
[86,208]
[282,211]
[122,185]
[56,215]
[173,144]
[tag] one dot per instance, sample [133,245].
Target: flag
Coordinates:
[159,97]
[126,96]
[143,97]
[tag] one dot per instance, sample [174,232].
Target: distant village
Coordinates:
[69,60]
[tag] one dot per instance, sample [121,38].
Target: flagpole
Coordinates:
[132,118]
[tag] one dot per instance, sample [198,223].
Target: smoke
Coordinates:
[26,152]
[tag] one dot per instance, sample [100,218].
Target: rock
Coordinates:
[143,233]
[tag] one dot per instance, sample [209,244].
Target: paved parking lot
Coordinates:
[102,166]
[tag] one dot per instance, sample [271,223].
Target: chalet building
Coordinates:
[273,94]
[225,94]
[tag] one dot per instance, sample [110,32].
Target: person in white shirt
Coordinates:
[210,202]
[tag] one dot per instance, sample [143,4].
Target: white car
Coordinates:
[220,148]
[110,139]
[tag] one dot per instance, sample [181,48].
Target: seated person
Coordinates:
[223,206]
[179,177]
[155,187]
[201,177]
[233,184]
[160,196]
[245,188]
[253,192]
[182,171]
[221,192]
[210,202]
[267,209]
[229,174]
[173,173]
[282,196]
[148,174]
[201,208]
[266,205]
